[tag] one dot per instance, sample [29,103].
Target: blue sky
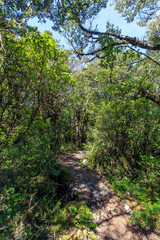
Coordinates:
[108,14]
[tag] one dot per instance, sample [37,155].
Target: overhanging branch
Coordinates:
[153,60]
[130,40]
[148,95]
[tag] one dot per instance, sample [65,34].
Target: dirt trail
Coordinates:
[108,210]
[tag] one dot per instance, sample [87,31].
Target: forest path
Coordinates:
[108,210]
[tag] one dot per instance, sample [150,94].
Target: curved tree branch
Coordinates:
[130,40]
[153,60]
[148,95]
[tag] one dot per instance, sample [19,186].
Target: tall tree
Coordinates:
[34,80]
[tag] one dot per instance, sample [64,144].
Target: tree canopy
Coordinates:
[87,40]
[143,10]
[15,14]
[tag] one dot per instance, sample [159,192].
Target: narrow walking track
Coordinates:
[108,210]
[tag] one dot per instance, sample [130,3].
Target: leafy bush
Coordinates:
[32,184]
[84,218]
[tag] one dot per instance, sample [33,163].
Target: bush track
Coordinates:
[108,209]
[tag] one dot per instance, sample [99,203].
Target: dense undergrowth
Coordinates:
[124,135]
[31,188]
[141,183]
[37,125]
[35,196]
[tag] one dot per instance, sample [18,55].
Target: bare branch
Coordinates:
[2,43]
[148,95]
[145,55]
[128,64]
[20,17]
[98,50]
[131,40]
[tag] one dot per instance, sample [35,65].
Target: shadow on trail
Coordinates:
[108,238]
[108,211]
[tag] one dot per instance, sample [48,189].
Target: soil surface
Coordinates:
[110,213]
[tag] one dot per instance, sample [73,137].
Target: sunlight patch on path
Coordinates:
[108,210]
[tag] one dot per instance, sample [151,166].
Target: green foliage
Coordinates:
[84,218]
[131,9]
[33,94]
[153,33]
[16,13]
[124,139]
[45,110]
[32,182]
[29,189]
[147,218]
